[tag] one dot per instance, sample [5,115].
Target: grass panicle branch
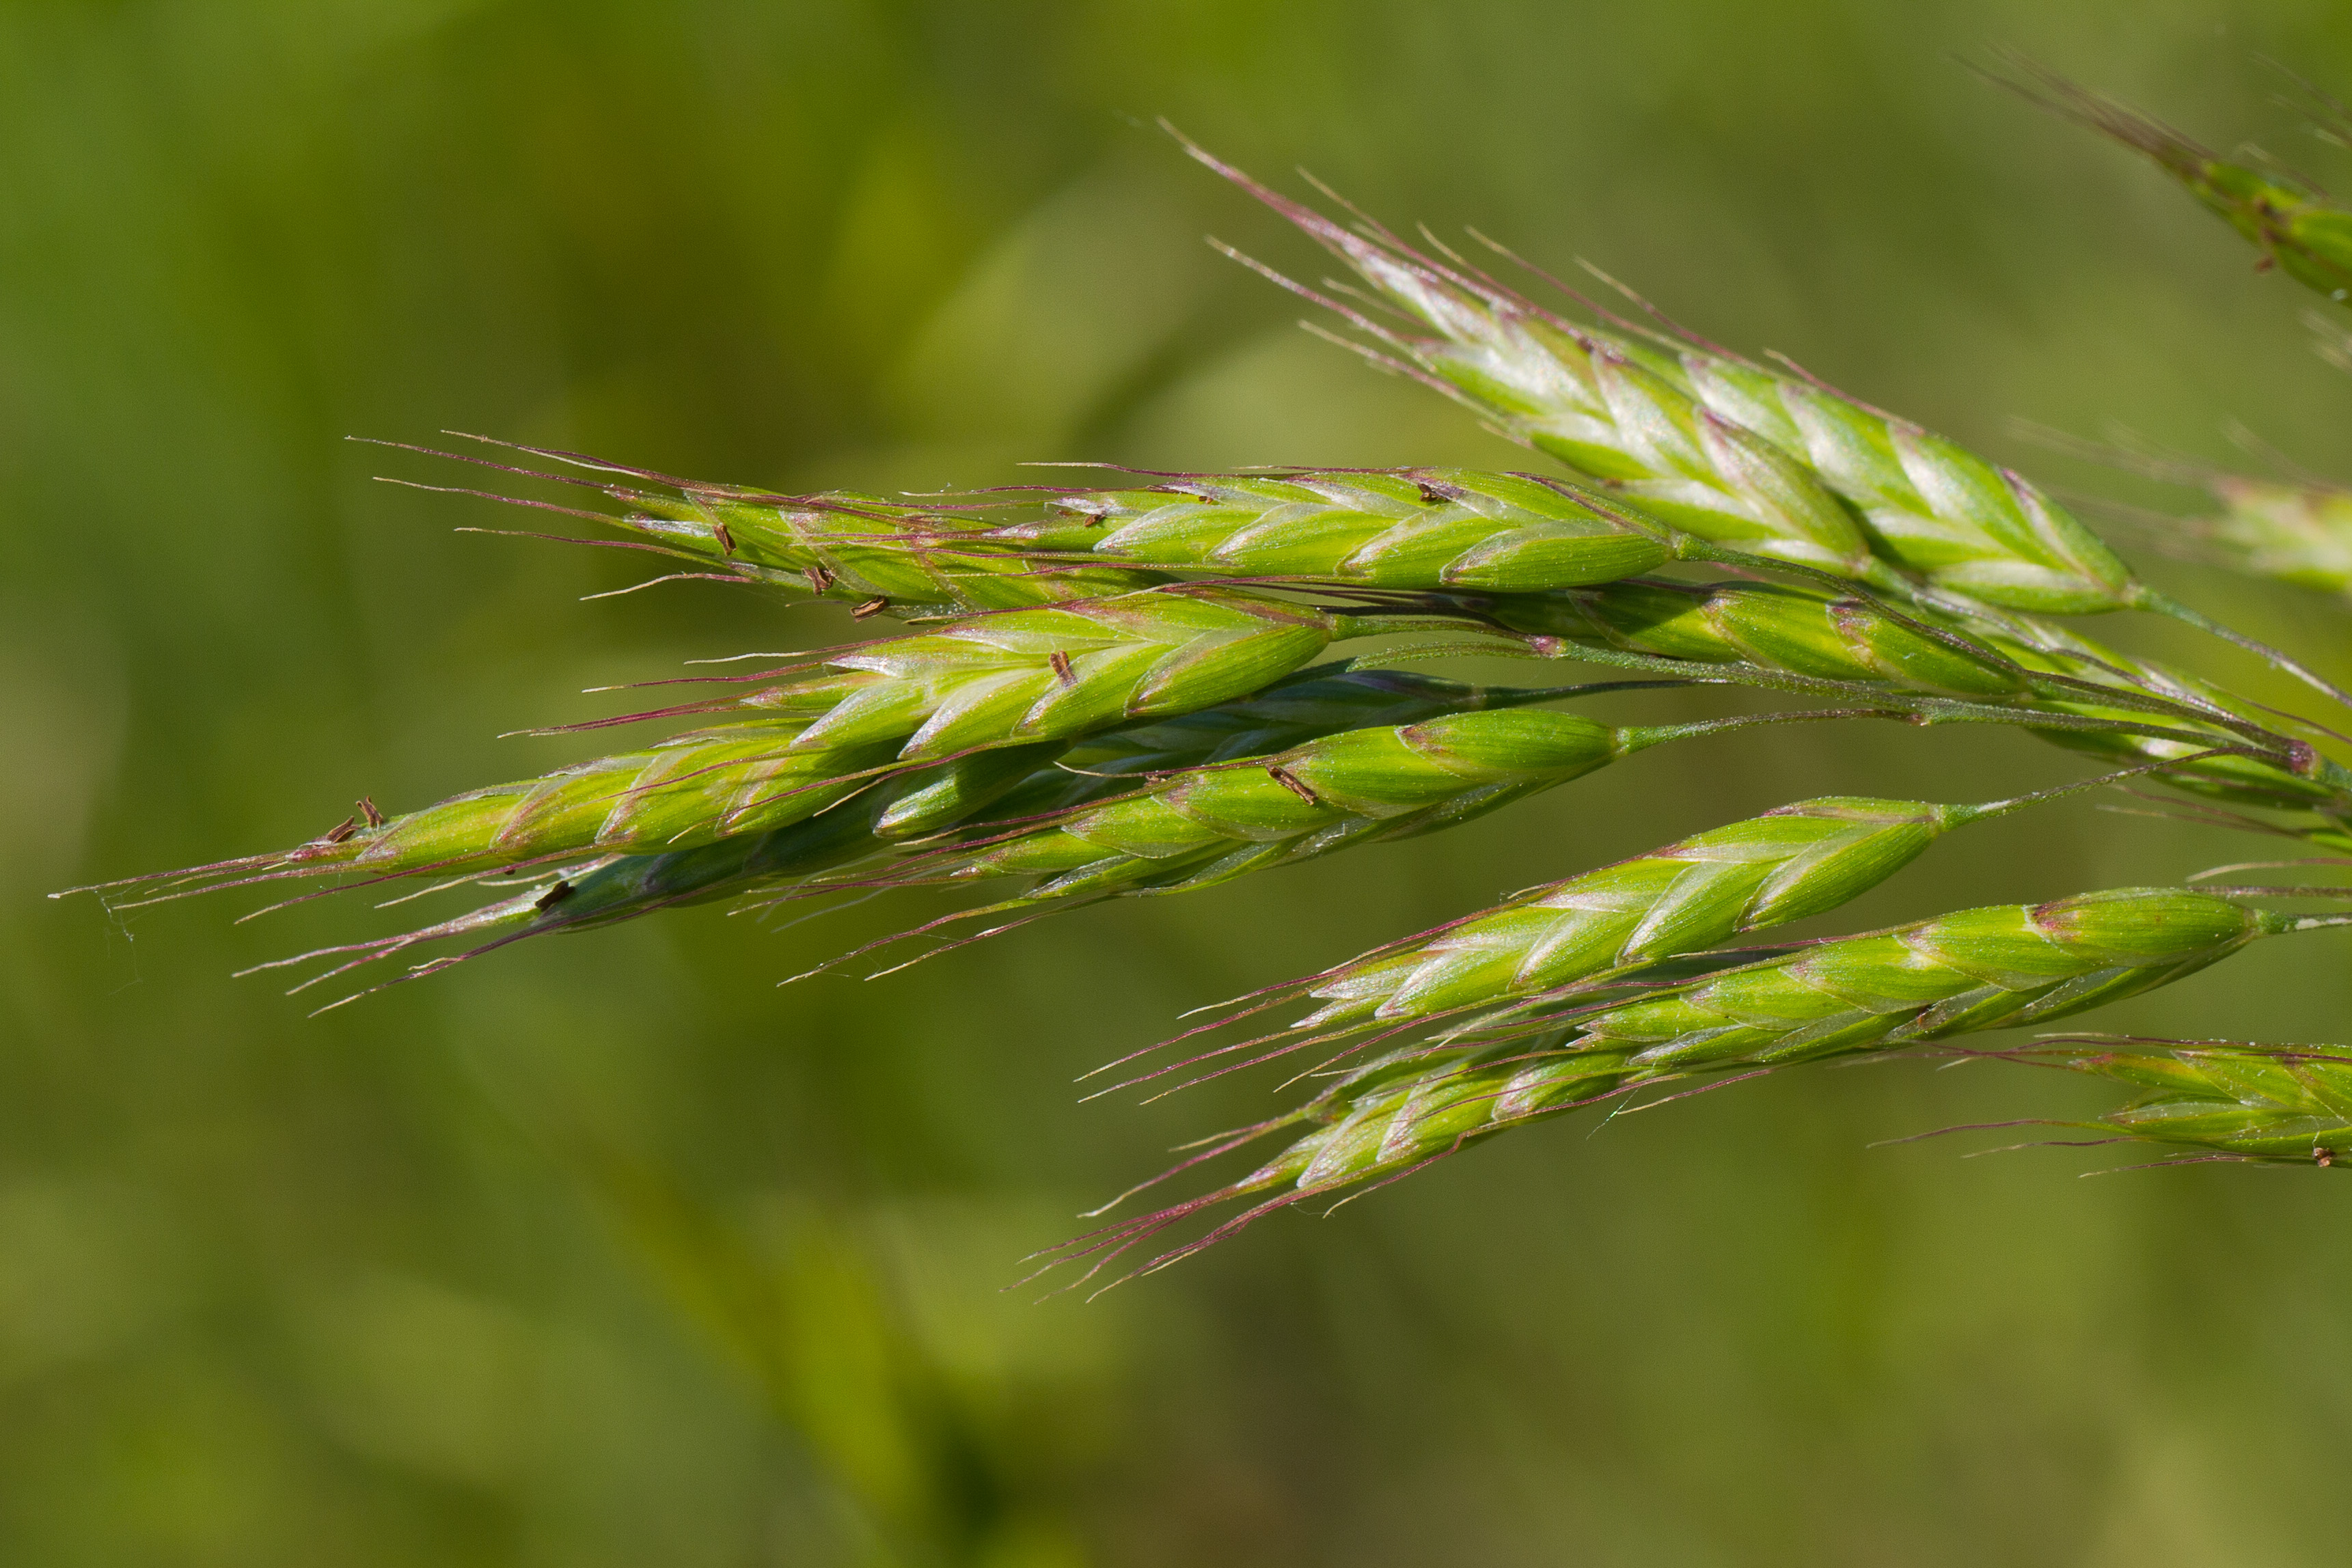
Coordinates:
[1958,974]
[1791,862]
[1631,409]
[1655,417]
[2092,699]
[874,817]
[1209,825]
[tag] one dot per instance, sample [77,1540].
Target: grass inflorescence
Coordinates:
[1159,683]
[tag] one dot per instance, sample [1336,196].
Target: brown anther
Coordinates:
[340,831]
[2266,262]
[368,812]
[1292,782]
[2323,1155]
[552,896]
[726,541]
[820,577]
[1061,663]
[870,609]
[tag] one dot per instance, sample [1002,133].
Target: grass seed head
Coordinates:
[1418,528]
[2295,533]
[2285,1104]
[1961,973]
[1982,659]
[1762,460]
[995,680]
[860,549]
[747,778]
[2281,213]
[1005,784]
[1794,861]
[1211,824]
[1799,630]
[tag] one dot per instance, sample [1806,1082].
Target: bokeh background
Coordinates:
[609,1251]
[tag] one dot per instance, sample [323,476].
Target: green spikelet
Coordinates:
[2001,661]
[1009,783]
[996,681]
[1315,702]
[1792,861]
[2294,533]
[1985,969]
[863,550]
[687,791]
[1977,969]
[1611,410]
[1418,528]
[1309,705]
[1731,452]
[2284,217]
[876,554]
[1802,630]
[1056,673]
[2287,1104]
[609,889]
[1212,825]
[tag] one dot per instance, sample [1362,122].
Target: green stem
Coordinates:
[1638,738]
[1959,815]
[2157,603]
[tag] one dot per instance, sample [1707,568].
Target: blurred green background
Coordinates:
[607,1251]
